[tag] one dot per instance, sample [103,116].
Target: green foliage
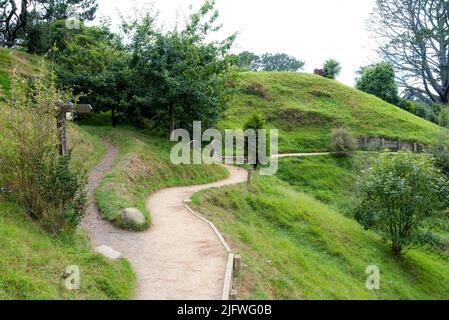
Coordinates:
[255,122]
[331,69]
[379,80]
[182,78]
[268,62]
[295,247]
[401,196]
[440,151]
[91,61]
[343,142]
[40,180]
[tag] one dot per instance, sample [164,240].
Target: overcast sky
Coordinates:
[311,30]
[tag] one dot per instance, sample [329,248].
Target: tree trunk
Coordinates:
[171,114]
[397,249]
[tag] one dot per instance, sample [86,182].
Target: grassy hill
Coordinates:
[306,107]
[297,247]
[25,64]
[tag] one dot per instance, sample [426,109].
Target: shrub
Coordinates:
[343,142]
[331,69]
[38,177]
[440,152]
[402,196]
[379,80]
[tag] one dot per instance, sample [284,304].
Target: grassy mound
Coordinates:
[143,166]
[25,64]
[296,247]
[306,107]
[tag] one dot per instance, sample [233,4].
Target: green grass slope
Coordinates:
[32,264]
[25,65]
[295,247]
[143,166]
[306,107]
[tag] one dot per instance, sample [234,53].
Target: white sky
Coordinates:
[310,30]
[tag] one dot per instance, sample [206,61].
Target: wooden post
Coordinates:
[61,123]
[62,134]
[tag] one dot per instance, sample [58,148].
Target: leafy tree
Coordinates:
[256,122]
[440,151]
[279,62]
[331,69]
[53,10]
[379,80]
[268,62]
[30,20]
[183,77]
[247,61]
[401,196]
[414,40]
[92,62]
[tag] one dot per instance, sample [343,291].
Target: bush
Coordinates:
[440,152]
[331,69]
[38,177]
[379,80]
[402,196]
[343,142]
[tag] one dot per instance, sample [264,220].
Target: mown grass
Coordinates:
[295,247]
[315,105]
[143,166]
[33,264]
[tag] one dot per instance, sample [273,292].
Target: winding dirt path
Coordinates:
[180,257]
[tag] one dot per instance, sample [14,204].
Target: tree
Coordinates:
[279,62]
[13,20]
[183,77]
[379,80]
[401,196]
[247,61]
[414,40]
[30,19]
[92,62]
[255,123]
[53,10]
[331,69]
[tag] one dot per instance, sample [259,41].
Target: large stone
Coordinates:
[132,216]
[108,252]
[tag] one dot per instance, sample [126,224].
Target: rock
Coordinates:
[108,252]
[132,216]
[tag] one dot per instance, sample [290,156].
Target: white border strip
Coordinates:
[227,286]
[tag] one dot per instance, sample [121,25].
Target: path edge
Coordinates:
[229,273]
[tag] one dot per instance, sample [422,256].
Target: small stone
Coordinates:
[108,252]
[132,216]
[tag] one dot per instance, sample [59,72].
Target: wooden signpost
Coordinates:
[67,107]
